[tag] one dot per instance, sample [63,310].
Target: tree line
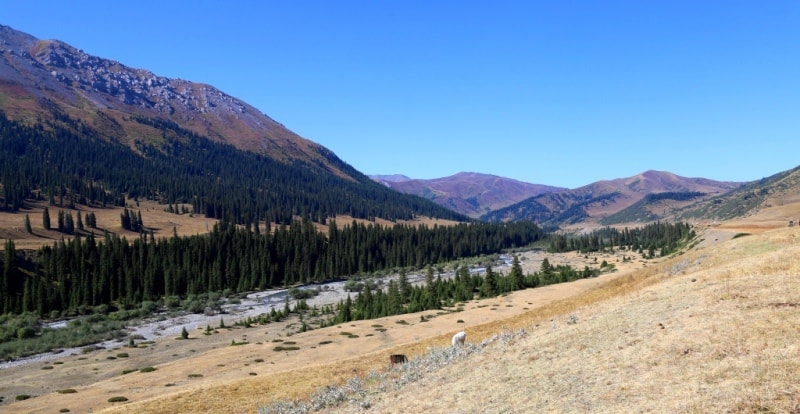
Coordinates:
[68,163]
[85,272]
[401,297]
[662,236]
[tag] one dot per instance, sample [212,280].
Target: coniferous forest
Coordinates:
[85,272]
[68,163]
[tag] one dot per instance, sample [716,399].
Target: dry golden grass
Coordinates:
[715,330]
[161,223]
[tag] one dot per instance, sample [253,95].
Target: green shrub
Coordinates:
[147,369]
[67,391]
[117,399]
[22,397]
[195,375]
[26,332]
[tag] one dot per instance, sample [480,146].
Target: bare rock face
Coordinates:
[57,75]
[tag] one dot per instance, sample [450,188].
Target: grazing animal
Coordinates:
[398,359]
[459,338]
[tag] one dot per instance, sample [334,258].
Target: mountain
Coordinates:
[649,196]
[37,76]
[771,192]
[469,193]
[80,129]
[392,178]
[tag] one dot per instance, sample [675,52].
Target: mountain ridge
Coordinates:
[38,75]
[469,193]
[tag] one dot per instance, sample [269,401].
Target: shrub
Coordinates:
[117,399]
[122,355]
[67,391]
[128,371]
[25,332]
[147,369]
[195,375]
[285,348]
[22,397]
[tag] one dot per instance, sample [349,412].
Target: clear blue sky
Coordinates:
[553,92]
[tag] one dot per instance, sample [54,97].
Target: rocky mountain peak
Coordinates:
[61,76]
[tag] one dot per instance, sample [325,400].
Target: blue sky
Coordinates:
[553,92]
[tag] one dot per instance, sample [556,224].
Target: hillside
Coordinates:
[771,192]
[38,76]
[603,202]
[81,130]
[469,193]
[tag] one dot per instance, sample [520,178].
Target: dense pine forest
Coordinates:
[85,272]
[661,236]
[68,163]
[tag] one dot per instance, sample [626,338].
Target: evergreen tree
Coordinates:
[184,333]
[516,274]
[46,218]
[404,287]
[489,286]
[28,228]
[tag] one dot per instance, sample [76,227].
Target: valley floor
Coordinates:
[712,330]
[187,369]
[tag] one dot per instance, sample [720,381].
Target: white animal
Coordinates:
[459,338]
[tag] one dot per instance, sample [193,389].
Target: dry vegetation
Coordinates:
[712,330]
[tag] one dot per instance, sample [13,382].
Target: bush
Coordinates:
[26,332]
[147,369]
[67,391]
[117,399]
[22,397]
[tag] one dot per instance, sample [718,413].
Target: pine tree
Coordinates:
[28,228]
[184,333]
[404,287]
[489,286]
[46,218]
[516,274]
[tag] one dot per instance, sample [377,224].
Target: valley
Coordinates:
[202,361]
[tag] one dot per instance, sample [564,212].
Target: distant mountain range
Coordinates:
[469,193]
[646,197]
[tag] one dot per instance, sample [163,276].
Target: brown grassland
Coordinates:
[712,330]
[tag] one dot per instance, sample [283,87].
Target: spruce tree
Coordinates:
[516,274]
[46,218]
[28,228]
